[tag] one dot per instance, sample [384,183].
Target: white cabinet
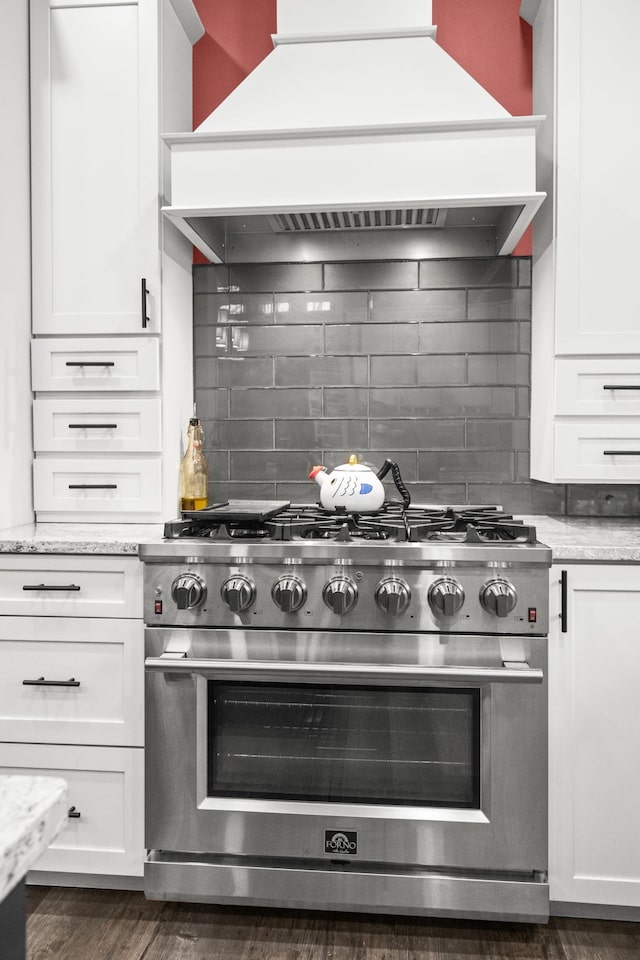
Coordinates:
[112,290]
[594,736]
[72,699]
[105,829]
[586,301]
[95,171]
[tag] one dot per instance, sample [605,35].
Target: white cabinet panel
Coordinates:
[106,364]
[94,137]
[106,789]
[89,425]
[585,297]
[102,658]
[598,387]
[594,776]
[112,488]
[587,451]
[77,586]
[598,298]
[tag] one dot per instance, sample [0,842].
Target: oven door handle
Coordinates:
[268,670]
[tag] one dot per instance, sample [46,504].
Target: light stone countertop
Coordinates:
[590,539]
[95,538]
[33,811]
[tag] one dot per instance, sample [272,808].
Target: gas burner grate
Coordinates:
[392,523]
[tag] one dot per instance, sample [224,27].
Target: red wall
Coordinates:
[486,37]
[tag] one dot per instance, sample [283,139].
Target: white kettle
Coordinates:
[352,486]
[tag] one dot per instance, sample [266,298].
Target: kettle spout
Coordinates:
[319,474]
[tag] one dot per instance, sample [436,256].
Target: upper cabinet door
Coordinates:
[95,167]
[598,143]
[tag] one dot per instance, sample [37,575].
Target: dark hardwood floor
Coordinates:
[73,924]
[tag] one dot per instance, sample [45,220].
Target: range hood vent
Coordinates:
[358,137]
[357,220]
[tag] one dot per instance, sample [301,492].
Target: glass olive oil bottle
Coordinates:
[194,470]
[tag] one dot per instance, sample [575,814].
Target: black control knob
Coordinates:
[188,590]
[393,596]
[238,592]
[340,594]
[289,593]
[445,597]
[499,597]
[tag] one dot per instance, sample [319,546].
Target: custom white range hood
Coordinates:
[358,137]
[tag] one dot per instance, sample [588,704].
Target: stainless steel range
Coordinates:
[348,712]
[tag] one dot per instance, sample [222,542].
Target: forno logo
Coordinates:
[341,842]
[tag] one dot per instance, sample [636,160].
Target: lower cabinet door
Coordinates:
[105,829]
[71,680]
[594,741]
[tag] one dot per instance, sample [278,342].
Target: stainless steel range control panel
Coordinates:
[488,597]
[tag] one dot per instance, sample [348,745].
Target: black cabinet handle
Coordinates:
[90,363]
[93,486]
[621,453]
[145,317]
[563,601]
[41,682]
[51,586]
[621,386]
[93,426]
[73,814]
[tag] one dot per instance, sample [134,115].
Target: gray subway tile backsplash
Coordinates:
[417,371]
[489,272]
[403,306]
[378,275]
[367,339]
[321,434]
[425,362]
[321,371]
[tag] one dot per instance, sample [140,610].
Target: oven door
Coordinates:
[407,752]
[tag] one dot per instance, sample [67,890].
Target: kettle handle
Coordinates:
[397,479]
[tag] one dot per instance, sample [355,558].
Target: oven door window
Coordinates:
[381,745]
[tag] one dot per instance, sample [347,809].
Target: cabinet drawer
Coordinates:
[42,585]
[106,788]
[609,387]
[71,681]
[595,451]
[90,425]
[96,363]
[101,486]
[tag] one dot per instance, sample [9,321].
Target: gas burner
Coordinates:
[392,523]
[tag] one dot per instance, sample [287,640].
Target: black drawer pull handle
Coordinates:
[621,386]
[563,601]
[51,586]
[93,426]
[90,363]
[621,453]
[93,486]
[145,317]
[41,682]
[74,814]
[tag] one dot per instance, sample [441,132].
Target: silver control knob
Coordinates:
[498,597]
[188,590]
[288,593]
[445,597]
[238,593]
[340,594]
[393,596]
